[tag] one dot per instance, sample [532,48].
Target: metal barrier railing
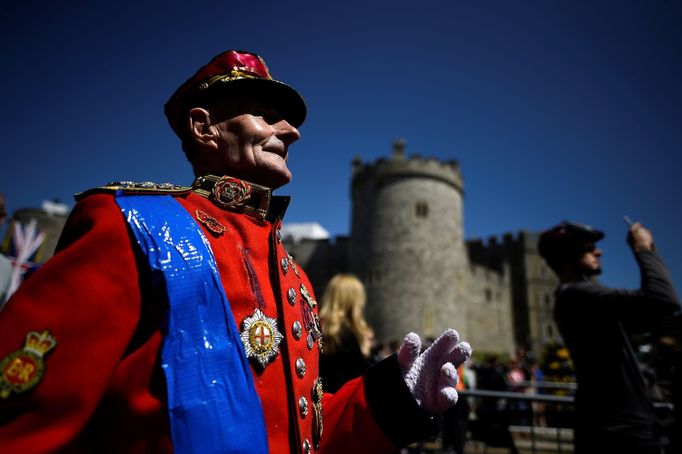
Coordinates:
[555,439]
[516,396]
[531,438]
[571,386]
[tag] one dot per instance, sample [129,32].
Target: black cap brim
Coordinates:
[288,102]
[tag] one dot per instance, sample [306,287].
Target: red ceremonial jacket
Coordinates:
[101,388]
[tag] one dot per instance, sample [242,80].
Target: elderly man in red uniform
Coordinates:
[173,319]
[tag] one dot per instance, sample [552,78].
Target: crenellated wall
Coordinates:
[532,284]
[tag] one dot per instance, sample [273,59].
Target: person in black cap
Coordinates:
[614,412]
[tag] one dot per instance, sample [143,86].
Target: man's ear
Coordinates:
[202,131]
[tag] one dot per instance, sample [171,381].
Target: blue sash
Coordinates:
[212,401]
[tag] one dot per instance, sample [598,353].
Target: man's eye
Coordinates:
[267,115]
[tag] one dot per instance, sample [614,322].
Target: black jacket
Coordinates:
[612,397]
[344,364]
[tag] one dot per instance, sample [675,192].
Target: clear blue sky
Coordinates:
[554,109]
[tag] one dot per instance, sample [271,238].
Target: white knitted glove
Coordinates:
[432,375]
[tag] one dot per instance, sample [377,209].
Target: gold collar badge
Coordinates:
[234,194]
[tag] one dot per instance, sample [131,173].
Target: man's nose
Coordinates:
[598,252]
[286,132]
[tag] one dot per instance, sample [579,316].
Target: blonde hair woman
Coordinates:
[347,337]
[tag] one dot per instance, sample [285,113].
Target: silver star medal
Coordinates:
[260,337]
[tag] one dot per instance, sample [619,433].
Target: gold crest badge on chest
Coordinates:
[260,337]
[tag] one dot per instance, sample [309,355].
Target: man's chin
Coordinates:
[595,271]
[272,180]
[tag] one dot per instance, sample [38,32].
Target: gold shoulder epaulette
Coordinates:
[130,187]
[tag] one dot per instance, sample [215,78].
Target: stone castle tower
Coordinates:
[407,244]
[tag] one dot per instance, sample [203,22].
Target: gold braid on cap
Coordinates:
[242,72]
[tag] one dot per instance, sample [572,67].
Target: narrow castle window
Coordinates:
[421,210]
[488,295]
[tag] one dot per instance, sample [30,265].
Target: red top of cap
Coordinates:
[233,69]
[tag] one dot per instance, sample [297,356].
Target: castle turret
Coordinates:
[407,242]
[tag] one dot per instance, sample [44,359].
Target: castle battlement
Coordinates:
[522,238]
[398,165]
